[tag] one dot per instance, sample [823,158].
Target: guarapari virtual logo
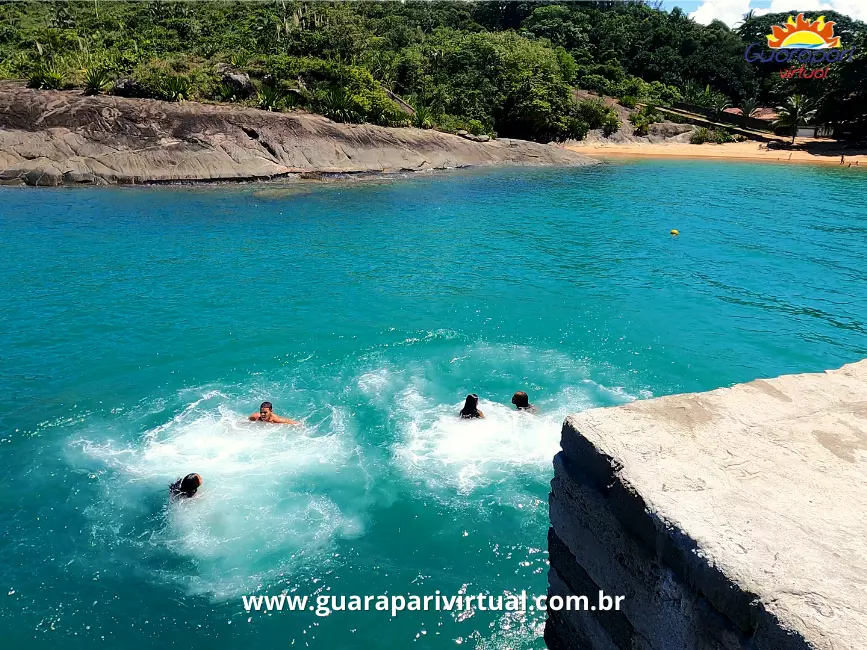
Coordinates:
[804,41]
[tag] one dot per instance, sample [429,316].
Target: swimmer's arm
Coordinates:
[280,420]
[254,417]
[481,415]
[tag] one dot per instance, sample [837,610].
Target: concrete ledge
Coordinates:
[729,519]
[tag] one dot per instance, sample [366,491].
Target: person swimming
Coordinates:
[471,407]
[266,414]
[186,487]
[522,402]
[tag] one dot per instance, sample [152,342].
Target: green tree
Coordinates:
[748,108]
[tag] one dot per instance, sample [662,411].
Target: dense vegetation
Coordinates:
[506,68]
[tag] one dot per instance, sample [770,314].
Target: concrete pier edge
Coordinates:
[728,519]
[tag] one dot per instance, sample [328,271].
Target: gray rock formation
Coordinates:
[238,81]
[52,137]
[660,132]
[128,87]
[733,519]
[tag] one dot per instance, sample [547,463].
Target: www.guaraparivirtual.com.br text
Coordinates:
[325,605]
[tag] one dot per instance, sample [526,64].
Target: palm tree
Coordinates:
[719,103]
[748,107]
[796,110]
[748,17]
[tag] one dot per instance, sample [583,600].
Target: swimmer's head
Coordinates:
[471,404]
[265,410]
[188,485]
[521,400]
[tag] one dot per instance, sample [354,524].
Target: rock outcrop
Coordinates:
[238,81]
[52,138]
[729,520]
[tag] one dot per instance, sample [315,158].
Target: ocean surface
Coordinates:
[140,326]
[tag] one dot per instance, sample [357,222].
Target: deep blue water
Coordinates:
[141,325]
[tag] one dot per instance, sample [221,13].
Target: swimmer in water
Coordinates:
[266,414]
[186,487]
[522,402]
[471,407]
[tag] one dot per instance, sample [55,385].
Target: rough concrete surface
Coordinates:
[54,137]
[752,497]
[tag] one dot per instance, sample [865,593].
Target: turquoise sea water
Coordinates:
[141,325]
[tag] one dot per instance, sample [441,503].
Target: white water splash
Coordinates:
[263,508]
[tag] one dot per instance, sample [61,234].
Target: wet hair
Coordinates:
[187,486]
[521,400]
[471,406]
[266,405]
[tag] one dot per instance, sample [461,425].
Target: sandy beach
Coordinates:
[821,152]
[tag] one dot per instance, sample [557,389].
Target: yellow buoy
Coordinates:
[675,233]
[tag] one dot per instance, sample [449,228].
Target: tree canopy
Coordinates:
[499,67]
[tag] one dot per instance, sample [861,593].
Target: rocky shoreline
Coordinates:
[51,138]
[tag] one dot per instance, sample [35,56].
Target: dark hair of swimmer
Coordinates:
[266,405]
[521,400]
[471,407]
[187,486]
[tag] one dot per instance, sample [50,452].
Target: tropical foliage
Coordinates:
[96,80]
[716,136]
[506,68]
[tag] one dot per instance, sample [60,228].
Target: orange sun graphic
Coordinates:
[803,33]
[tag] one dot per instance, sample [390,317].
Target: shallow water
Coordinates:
[141,325]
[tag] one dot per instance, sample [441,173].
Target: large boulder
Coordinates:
[129,87]
[238,81]
[466,135]
[669,129]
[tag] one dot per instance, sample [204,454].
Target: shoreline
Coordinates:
[294,180]
[742,151]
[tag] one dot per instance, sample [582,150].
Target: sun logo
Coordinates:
[803,33]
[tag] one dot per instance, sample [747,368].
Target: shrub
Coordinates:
[642,120]
[595,82]
[634,87]
[96,79]
[475,127]
[663,94]
[715,136]
[575,128]
[239,59]
[452,123]
[640,124]
[721,136]
[174,88]
[699,136]
[611,124]
[423,118]
[46,75]
[336,104]
[226,93]
[269,98]
[592,111]
[628,101]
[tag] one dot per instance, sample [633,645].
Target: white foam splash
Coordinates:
[265,505]
[444,451]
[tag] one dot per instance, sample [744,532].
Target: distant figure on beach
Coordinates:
[471,407]
[842,158]
[266,414]
[185,488]
[522,402]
